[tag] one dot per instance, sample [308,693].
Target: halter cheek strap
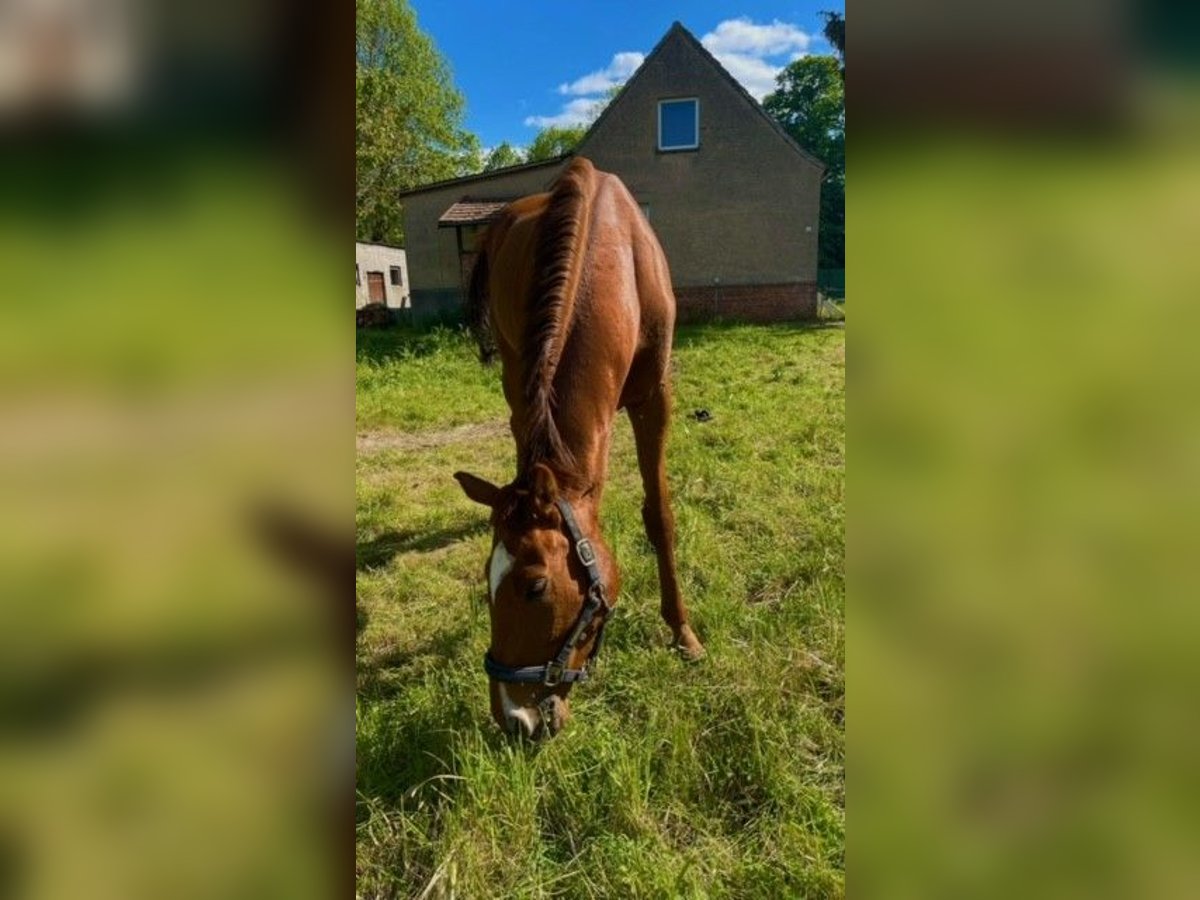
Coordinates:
[556,672]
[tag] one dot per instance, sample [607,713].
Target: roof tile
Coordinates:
[471,212]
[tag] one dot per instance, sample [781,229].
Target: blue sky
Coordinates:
[523,64]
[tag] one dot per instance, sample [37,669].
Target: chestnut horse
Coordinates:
[572,288]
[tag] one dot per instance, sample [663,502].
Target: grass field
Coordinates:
[723,778]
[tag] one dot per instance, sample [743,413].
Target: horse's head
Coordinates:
[551,585]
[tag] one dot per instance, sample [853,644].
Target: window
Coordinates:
[678,124]
[397,276]
[357,276]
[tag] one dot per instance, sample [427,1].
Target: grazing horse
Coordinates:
[572,288]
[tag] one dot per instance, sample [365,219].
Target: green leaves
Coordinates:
[835,33]
[810,103]
[408,117]
[555,141]
[503,155]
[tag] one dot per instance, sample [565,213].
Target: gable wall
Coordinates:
[743,208]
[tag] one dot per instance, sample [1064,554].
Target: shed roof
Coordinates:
[471,212]
[483,176]
[377,244]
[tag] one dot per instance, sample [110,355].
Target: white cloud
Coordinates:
[742,36]
[755,54]
[588,90]
[622,66]
[576,112]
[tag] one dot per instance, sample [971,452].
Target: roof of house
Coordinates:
[678,28]
[377,244]
[471,212]
[481,176]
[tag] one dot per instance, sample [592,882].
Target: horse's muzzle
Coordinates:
[539,722]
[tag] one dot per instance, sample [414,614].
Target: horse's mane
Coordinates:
[558,260]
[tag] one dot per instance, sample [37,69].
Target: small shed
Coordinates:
[380,276]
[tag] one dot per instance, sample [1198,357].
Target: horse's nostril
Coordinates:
[553,714]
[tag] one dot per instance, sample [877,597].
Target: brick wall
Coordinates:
[743,207]
[747,302]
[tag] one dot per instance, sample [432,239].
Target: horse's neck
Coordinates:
[590,446]
[586,507]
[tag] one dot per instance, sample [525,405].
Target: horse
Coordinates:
[572,289]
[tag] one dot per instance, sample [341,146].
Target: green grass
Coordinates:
[723,778]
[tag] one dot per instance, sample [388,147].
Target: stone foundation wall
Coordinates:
[747,303]
[737,303]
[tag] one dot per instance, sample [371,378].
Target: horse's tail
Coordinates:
[479,316]
[558,261]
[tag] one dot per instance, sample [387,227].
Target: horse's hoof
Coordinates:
[688,644]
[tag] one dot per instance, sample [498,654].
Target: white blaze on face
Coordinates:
[527,717]
[501,565]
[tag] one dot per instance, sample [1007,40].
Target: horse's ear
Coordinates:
[477,489]
[545,490]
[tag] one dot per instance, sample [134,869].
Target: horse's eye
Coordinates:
[536,589]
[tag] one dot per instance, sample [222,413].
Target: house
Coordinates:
[380,276]
[733,199]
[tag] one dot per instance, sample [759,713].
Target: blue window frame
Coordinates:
[679,124]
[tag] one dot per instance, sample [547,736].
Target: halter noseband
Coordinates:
[556,672]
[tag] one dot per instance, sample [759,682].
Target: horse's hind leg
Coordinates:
[650,420]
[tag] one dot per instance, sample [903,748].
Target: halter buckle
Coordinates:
[554,671]
[583,548]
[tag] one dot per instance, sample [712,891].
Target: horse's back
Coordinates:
[624,308]
[642,292]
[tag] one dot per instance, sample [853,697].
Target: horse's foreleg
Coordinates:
[650,420]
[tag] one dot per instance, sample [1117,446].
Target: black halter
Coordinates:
[556,672]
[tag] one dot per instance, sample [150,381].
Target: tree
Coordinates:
[835,33]
[810,103]
[555,141]
[503,155]
[408,127]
